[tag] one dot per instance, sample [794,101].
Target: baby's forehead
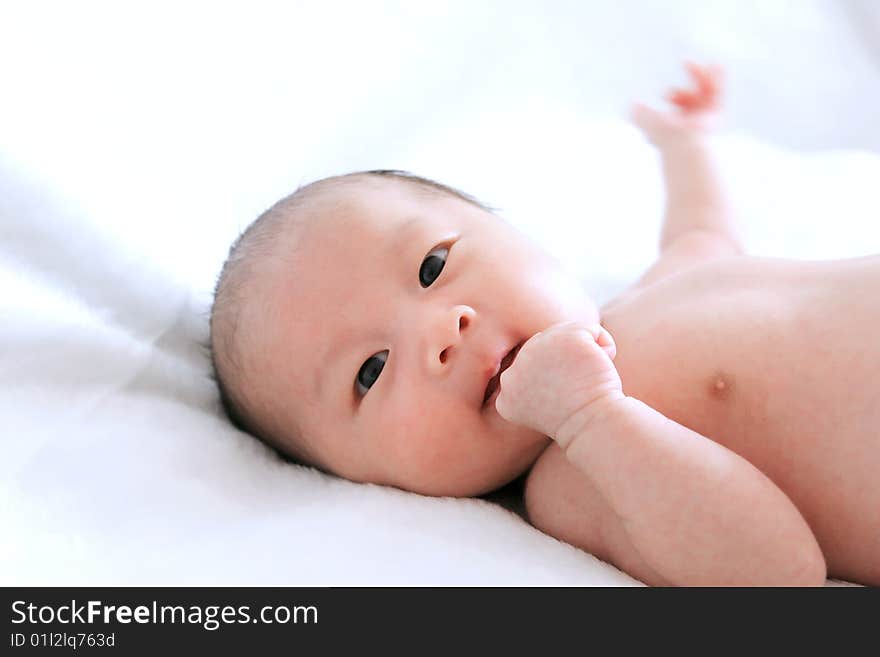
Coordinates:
[358,217]
[308,269]
[316,274]
[357,199]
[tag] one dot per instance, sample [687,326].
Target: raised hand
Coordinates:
[695,108]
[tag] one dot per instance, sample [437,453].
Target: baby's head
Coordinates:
[357,322]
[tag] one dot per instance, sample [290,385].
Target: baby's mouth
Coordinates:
[495,382]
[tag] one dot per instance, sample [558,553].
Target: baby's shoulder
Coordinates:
[687,255]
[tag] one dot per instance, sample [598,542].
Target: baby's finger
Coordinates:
[708,79]
[592,329]
[694,70]
[603,339]
[607,343]
[686,100]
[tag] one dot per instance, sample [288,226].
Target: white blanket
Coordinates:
[140,145]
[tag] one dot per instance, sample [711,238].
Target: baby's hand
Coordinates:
[557,373]
[695,109]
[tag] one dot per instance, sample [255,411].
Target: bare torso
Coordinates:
[779,361]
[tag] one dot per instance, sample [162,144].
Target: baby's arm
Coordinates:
[692,511]
[695,197]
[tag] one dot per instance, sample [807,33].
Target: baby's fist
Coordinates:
[557,373]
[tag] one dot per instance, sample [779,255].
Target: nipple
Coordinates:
[720,386]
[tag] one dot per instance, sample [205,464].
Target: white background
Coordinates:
[136,140]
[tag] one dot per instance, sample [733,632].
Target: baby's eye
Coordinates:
[370,371]
[432,265]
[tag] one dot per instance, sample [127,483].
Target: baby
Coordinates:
[390,329]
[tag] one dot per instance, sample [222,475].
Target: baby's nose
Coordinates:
[450,329]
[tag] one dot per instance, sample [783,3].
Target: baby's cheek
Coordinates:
[422,445]
[414,440]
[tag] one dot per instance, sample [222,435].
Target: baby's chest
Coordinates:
[788,381]
[709,363]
